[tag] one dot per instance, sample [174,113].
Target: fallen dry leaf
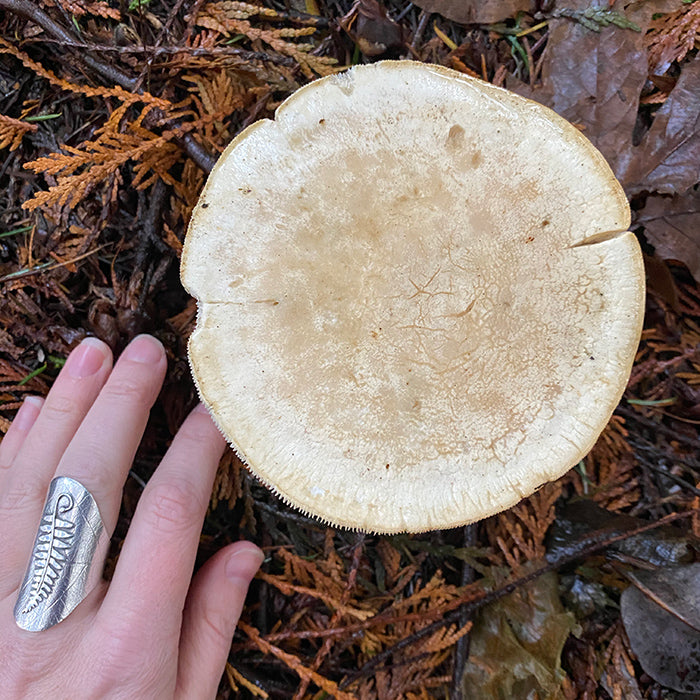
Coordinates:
[370,27]
[476,11]
[668,158]
[661,614]
[595,79]
[516,645]
[672,226]
[660,281]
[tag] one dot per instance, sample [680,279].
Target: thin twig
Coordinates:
[192,51]
[420,30]
[673,477]
[635,415]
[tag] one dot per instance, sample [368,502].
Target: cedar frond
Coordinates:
[216,97]
[79,170]
[228,485]
[520,532]
[618,667]
[672,36]
[293,663]
[333,603]
[241,10]
[611,469]
[435,591]
[113,92]
[695,521]
[322,579]
[12,131]
[97,8]
[235,677]
[413,667]
[391,560]
[444,638]
[228,18]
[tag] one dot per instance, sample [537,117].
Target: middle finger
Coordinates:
[103,449]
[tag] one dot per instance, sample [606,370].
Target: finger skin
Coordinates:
[125,640]
[214,604]
[161,545]
[26,481]
[103,449]
[18,431]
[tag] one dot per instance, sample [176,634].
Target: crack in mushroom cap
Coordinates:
[417,297]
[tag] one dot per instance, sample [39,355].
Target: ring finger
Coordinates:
[30,469]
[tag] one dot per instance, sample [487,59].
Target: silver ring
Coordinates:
[68,557]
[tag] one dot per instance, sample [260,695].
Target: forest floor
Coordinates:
[111,115]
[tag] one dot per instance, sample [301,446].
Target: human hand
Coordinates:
[152,632]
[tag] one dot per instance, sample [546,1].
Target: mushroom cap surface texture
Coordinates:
[417,296]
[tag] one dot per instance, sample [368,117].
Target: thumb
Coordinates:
[214,604]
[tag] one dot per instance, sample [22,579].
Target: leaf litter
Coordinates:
[109,122]
[661,614]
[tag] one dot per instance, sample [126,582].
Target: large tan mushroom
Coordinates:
[418,299]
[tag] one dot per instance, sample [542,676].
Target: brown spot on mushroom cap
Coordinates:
[385,310]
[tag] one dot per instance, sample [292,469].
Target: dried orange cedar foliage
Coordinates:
[12,131]
[80,8]
[617,674]
[519,532]
[672,36]
[79,169]
[143,130]
[231,18]
[611,470]
[335,608]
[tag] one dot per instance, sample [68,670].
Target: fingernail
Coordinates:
[244,562]
[28,412]
[145,349]
[87,358]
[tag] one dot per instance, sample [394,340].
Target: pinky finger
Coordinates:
[214,604]
[18,430]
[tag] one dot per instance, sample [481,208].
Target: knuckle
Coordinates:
[121,645]
[20,498]
[23,666]
[198,431]
[128,666]
[126,388]
[59,406]
[215,627]
[172,507]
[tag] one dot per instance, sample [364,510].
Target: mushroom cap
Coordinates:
[418,299]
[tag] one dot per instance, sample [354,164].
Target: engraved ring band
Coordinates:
[67,559]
